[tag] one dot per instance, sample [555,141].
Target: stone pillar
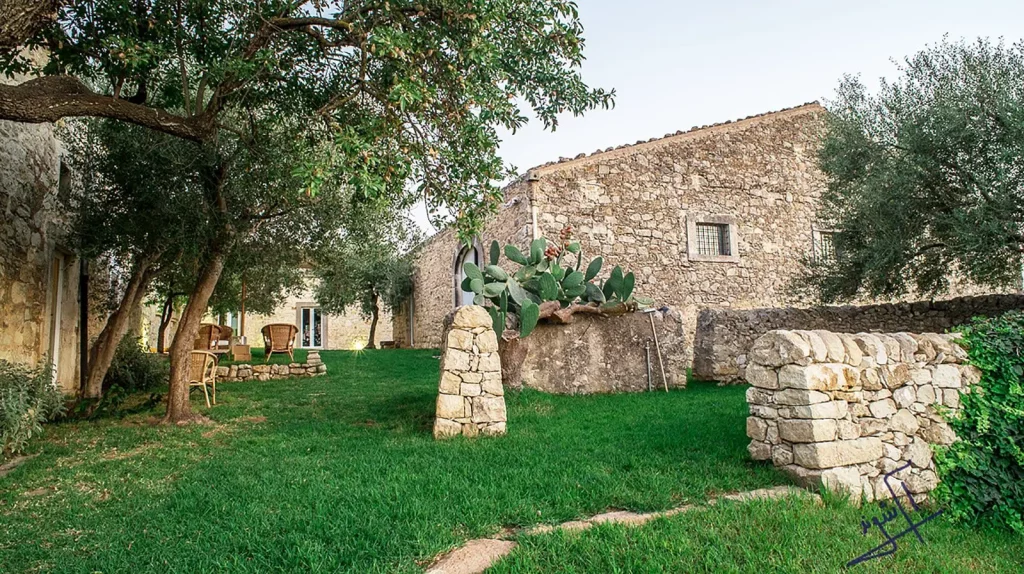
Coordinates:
[470,400]
[843,410]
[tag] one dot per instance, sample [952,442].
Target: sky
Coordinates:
[675,64]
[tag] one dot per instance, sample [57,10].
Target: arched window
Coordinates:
[471,255]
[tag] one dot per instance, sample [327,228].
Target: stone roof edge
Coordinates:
[696,131]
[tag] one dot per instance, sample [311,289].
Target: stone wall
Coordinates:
[843,410]
[434,285]
[470,399]
[596,354]
[313,367]
[724,335]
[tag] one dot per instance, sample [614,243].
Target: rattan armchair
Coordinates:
[203,373]
[279,338]
[213,338]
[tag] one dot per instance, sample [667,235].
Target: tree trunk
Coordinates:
[21,19]
[165,320]
[179,409]
[116,327]
[373,324]
[512,351]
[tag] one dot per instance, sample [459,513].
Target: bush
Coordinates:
[28,398]
[134,370]
[983,473]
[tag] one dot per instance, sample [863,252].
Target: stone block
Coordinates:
[757,429]
[487,342]
[938,433]
[470,430]
[848,430]
[844,479]
[834,346]
[872,348]
[489,410]
[450,406]
[882,409]
[819,352]
[951,398]
[870,426]
[821,455]
[762,377]
[460,339]
[471,377]
[894,375]
[471,317]
[764,412]
[756,396]
[826,410]
[926,394]
[918,453]
[946,376]
[969,375]
[870,379]
[492,386]
[816,377]
[456,360]
[808,430]
[905,396]
[782,455]
[799,397]
[777,348]
[904,421]
[445,428]
[470,390]
[921,482]
[493,429]
[489,363]
[759,450]
[854,356]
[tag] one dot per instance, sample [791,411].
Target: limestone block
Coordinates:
[869,426]
[222,372]
[471,317]
[756,396]
[870,379]
[761,376]
[471,377]
[808,430]
[777,348]
[799,397]
[470,430]
[854,355]
[489,363]
[470,390]
[489,409]
[893,351]
[759,450]
[905,422]
[924,481]
[445,428]
[946,376]
[456,360]
[918,453]
[492,385]
[493,429]
[487,342]
[816,377]
[905,396]
[872,348]
[969,375]
[908,346]
[951,398]
[833,345]
[938,433]
[460,339]
[882,409]
[845,479]
[819,352]
[848,430]
[926,394]
[764,412]
[450,406]
[826,410]
[782,455]
[756,428]
[822,455]
[894,375]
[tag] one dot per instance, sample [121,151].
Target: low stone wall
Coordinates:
[313,367]
[596,354]
[724,335]
[843,410]
[470,399]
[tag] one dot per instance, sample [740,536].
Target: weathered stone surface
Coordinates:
[882,409]
[904,421]
[492,386]
[946,376]
[926,394]
[460,339]
[450,406]
[819,352]
[761,376]
[848,430]
[456,360]
[905,396]
[489,363]
[951,398]
[816,377]
[845,479]
[777,348]
[870,427]
[488,409]
[470,390]
[450,383]
[919,454]
[470,317]
[834,346]
[808,430]
[938,433]
[799,397]
[759,450]
[823,455]
[782,455]
[487,342]
[826,410]
[445,428]
[756,428]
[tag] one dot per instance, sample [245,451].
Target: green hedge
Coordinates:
[983,473]
[28,398]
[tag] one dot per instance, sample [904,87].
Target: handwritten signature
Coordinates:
[888,514]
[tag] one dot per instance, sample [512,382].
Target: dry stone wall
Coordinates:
[842,410]
[313,367]
[470,399]
[724,336]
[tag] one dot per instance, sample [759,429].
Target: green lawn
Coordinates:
[340,474]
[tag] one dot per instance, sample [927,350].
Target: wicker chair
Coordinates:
[279,338]
[203,373]
[213,338]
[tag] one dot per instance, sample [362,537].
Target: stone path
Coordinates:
[478,555]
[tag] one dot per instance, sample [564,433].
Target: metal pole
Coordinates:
[657,347]
[83,321]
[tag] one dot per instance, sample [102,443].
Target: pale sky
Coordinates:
[677,64]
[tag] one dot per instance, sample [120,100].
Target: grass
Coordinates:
[340,474]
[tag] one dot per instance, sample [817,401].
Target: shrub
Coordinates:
[28,398]
[134,370]
[983,473]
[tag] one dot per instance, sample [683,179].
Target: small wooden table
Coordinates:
[241,352]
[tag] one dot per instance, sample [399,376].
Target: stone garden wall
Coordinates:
[725,335]
[313,367]
[471,399]
[596,354]
[842,410]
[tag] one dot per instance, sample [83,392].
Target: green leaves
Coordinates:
[514,255]
[472,271]
[594,268]
[528,317]
[495,253]
[573,279]
[537,247]
[548,287]
[496,272]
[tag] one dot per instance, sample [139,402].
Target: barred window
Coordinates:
[713,239]
[824,246]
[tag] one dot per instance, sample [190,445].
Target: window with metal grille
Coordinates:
[824,246]
[713,239]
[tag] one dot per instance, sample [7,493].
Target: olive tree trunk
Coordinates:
[512,351]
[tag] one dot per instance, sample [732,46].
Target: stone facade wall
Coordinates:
[724,336]
[843,410]
[470,399]
[38,277]
[596,354]
[434,286]
[313,367]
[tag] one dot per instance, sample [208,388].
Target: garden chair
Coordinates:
[203,373]
[213,338]
[279,338]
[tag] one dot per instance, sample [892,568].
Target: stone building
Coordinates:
[712,217]
[717,217]
[39,312]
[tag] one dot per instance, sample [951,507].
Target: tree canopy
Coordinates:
[926,176]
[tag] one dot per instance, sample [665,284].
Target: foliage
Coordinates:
[28,398]
[406,97]
[368,261]
[983,473]
[543,276]
[135,370]
[924,178]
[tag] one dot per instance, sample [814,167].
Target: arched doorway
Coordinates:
[471,254]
